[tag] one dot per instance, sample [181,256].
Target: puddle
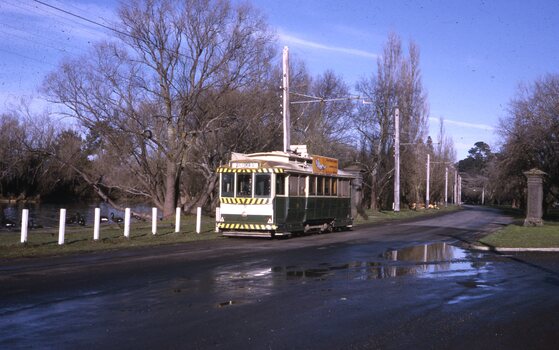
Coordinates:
[430,253]
[427,261]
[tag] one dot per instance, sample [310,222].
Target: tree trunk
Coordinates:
[170,189]
[374,191]
[210,185]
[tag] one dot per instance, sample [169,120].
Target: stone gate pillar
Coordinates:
[534,210]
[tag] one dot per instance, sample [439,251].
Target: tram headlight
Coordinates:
[270,221]
[221,219]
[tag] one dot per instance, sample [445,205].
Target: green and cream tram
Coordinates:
[278,193]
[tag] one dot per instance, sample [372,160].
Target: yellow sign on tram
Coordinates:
[324,165]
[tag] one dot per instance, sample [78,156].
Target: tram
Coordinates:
[280,193]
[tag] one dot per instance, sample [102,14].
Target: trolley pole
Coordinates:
[285,88]
[397,160]
[427,191]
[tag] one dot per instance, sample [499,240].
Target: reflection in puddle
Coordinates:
[242,283]
[430,260]
[437,258]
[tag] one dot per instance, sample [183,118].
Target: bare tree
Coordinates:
[397,83]
[145,99]
[530,135]
[324,120]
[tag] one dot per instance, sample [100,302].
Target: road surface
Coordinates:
[399,285]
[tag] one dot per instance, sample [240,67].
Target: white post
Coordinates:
[178,220]
[427,191]
[96,223]
[483,196]
[198,219]
[217,217]
[62,226]
[154,220]
[285,88]
[446,187]
[397,160]
[24,225]
[127,222]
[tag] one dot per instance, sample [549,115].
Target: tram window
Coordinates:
[343,191]
[262,185]
[302,185]
[312,185]
[227,181]
[346,188]
[334,187]
[280,184]
[244,185]
[327,184]
[293,185]
[320,186]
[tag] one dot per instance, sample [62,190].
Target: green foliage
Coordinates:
[478,158]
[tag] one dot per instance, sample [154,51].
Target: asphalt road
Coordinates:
[405,285]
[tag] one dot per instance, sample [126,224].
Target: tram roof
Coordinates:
[277,162]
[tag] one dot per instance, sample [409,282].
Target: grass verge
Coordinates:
[43,242]
[402,214]
[516,235]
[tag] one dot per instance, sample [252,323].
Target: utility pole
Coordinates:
[427,192]
[397,160]
[455,187]
[459,190]
[446,186]
[285,88]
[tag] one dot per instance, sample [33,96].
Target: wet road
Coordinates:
[387,286]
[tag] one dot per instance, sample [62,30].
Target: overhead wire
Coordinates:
[83,18]
[49,41]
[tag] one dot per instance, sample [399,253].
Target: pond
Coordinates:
[48,214]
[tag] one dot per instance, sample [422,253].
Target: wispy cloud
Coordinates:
[39,20]
[315,45]
[464,124]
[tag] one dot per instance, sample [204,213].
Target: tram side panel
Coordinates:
[321,210]
[289,213]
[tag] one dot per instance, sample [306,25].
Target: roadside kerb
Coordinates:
[512,250]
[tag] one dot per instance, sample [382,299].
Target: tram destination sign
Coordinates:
[324,165]
[245,165]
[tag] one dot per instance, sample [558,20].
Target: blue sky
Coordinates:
[474,54]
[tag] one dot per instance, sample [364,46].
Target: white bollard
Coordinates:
[198,219]
[127,222]
[24,225]
[62,226]
[178,220]
[217,217]
[96,223]
[154,220]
